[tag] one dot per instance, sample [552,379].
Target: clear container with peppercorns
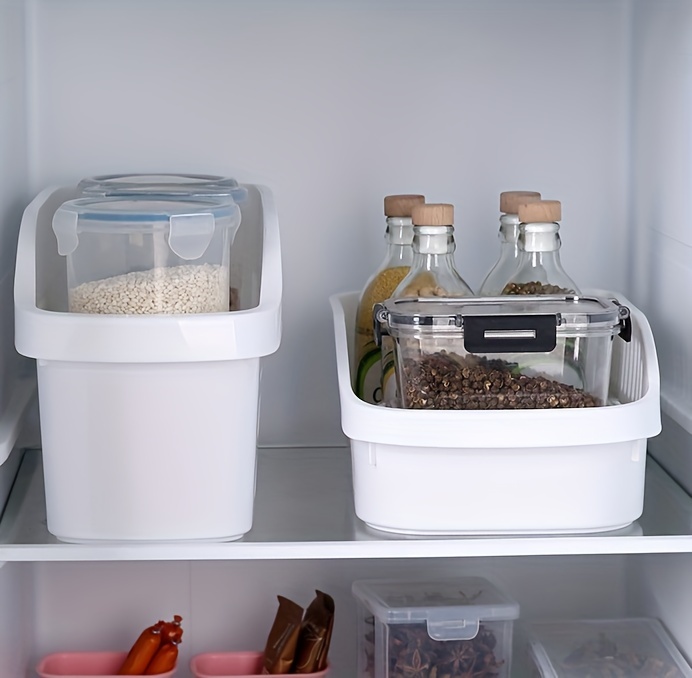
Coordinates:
[542,352]
[447,627]
[631,648]
[538,269]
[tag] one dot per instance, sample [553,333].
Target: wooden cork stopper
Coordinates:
[510,200]
[540,211]
[401,205]
[434,214]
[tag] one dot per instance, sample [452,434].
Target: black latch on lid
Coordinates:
[510,333]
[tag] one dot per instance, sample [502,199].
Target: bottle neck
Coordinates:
[399,238]
[509,229]
[538,238]
[509,237]
[433,241]
[399,231]
[539,259]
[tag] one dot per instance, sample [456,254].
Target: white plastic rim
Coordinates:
[362,421]
[75,337]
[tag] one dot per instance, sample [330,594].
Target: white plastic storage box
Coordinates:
[448,627]
[446,472]
[631,648]
[149,423]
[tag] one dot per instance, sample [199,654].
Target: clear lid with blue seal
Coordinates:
[168,185]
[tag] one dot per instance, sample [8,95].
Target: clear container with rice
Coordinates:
[136,256]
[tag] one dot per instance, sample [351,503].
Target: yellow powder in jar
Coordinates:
[380,288]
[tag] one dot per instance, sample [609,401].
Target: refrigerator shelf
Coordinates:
[304,510]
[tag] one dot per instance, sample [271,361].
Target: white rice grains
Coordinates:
[176,289]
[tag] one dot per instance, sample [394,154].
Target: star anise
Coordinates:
[413,665]
[459,657]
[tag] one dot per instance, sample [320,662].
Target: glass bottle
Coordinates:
[509,241]
[539,270]
[380,285]
[433,274]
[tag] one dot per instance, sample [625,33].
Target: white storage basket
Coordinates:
[443,472]
[149,423]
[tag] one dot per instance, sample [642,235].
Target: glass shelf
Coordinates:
[304,510]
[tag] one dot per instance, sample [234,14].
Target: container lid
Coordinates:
[510,200]
[190,223]
[570,312]
[170,185]
[451,608]
[401,205]
[623,647]
[539,211]
[433,214]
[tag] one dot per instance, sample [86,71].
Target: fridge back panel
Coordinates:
[332,129]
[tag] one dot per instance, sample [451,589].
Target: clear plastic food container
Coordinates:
[630,648]
[503,352]
[162,185]
[144,256]
[447,627]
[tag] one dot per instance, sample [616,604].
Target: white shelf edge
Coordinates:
[463,548]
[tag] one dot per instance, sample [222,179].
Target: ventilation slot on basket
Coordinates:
[628,369]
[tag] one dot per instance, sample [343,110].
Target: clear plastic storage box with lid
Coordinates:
[143,255]
[426,627]
[630,648]
[503,353]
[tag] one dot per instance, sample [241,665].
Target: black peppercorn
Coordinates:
[446,381]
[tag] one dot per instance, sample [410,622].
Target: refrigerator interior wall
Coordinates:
[229,605]
[17,629]
[333,105]
[660,257]
[93,606]
[14,194]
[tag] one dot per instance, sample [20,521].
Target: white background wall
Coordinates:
[661,246]
[14,193]
[334,105]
